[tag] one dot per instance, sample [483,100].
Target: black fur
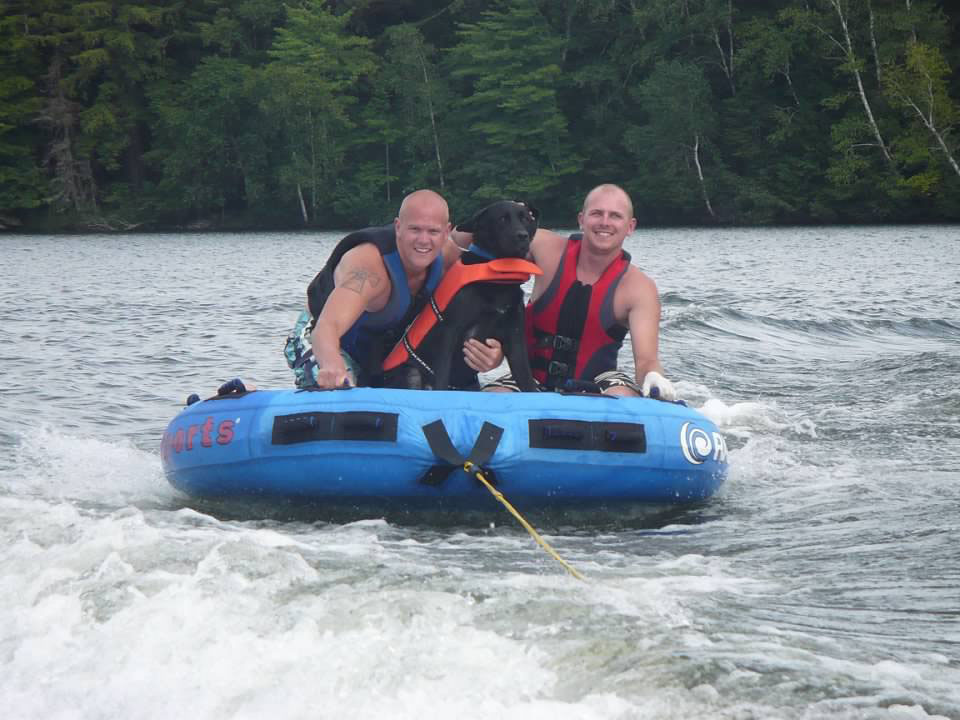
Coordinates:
[480,310]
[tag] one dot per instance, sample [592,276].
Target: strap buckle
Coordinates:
[559,343]
[558,369]
[565,344]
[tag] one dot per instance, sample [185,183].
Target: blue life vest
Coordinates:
[374,334]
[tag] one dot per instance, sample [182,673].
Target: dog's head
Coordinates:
[503,229]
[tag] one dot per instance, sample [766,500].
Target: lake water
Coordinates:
[822,582]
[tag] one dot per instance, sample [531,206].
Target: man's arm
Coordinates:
[457,244]
[643,320]
[360,284]
[546,247]
[545,242]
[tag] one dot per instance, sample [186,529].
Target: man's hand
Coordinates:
[328,378]
[657,386]
[482,356]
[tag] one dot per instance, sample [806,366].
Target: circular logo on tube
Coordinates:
[696,444]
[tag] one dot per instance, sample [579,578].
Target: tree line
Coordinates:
[257,114]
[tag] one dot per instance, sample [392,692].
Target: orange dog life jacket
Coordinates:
[510,271]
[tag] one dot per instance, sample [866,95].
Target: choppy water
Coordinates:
[822,582]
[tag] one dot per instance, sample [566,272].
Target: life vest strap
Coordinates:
[508,271]
[440,444]
[561,343]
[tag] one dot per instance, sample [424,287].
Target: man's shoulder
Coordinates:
[547,244]
[373,235]
[636,280]
[367,241]
[549,236]
[363,253]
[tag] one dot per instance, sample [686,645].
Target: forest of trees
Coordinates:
[120,114]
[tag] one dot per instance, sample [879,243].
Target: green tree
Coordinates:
[314,70]
[673,144]
[773,129]
[22,185]
[241,29]
[214,147]
[212,143]
[841,28]
[919,86]
[419,98]
[515,141]
[98,56]
[55,37]
[605,51]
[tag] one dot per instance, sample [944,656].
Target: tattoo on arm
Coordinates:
[357,278]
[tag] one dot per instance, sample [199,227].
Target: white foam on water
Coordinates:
[157,614]
[744,416]
[57,465]
[246,627]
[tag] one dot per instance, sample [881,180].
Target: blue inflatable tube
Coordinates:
[370,447]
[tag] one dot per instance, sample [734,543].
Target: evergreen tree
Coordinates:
[420,97]
[605,52]
[211,143]
[313,77]
[22,185]
[772,130]
[97,57]
[213,146]
[54,35]
[514,142]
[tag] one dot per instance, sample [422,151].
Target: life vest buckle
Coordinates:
[560,343]
[558,369]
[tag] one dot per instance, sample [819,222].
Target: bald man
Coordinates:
[374,283]
[587,300]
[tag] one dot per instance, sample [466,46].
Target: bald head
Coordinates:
[422,227]
[425,203]
[607,190]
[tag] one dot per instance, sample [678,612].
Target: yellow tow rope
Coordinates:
[469,467]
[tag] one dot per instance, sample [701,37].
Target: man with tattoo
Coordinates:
[374,283]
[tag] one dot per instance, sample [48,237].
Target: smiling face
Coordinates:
[422,227]
[606,219]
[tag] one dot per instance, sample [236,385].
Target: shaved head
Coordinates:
[425,202]
[607,188]
[422,227]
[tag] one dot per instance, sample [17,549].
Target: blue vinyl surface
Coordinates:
[320,446]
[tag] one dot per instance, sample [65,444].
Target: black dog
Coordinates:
[483,309]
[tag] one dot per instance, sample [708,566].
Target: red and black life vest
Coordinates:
[571,329]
